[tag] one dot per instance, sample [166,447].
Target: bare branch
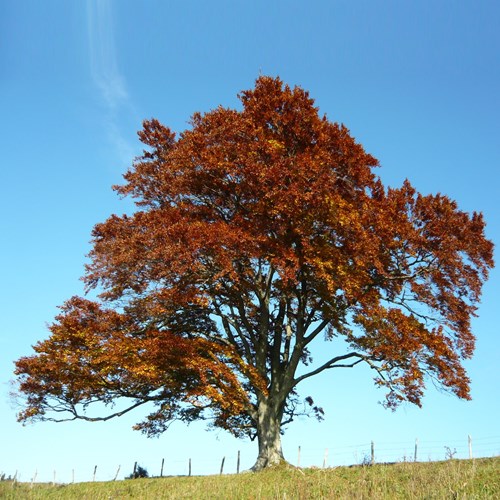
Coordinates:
[77,416]
[316,331]
[331,364]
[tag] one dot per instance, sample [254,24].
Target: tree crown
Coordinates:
[257,231]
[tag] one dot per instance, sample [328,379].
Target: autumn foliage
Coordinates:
[257,232]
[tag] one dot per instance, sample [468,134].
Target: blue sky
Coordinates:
[417,84]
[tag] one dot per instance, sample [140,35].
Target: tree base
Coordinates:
[268,462]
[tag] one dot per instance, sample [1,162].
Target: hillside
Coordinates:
[478,479]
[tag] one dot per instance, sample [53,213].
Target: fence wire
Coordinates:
[331,455]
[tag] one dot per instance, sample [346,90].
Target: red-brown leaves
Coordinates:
[256,230]
[96,354]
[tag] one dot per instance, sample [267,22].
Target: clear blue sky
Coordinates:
[417,84]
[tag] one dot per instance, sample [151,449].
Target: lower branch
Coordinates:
[332,363]
[77,416]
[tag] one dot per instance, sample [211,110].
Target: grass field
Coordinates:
[458,479]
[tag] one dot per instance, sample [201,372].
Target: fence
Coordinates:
[302,456]
[388,452]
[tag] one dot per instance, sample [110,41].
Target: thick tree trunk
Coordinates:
[269,437]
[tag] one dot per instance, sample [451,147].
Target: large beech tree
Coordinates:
[259,232]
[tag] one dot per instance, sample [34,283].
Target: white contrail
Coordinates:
[103,61]
[105,72]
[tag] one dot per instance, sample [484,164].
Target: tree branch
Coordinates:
[331,364]
[316,331]
[77,416]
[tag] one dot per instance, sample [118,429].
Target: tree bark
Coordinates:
[268,435]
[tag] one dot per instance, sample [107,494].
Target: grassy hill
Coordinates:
[478,478]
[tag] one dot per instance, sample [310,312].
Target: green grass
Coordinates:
[458,479]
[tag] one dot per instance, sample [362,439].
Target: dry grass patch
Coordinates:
[464,479]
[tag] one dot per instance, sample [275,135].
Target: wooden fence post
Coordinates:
[189,467]
[325,458]
[470,447]
[34,478]
[161,471]
[238,463]
[298,458]
[222,465]
[135,470]
[72,476]
[116,475]
[372,460]
[415,454]
[14,480]
[95,470]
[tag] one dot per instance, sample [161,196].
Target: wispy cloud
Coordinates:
[123,147]
[106,73]
[103,60]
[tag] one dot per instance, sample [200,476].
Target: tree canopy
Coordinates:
[257,232]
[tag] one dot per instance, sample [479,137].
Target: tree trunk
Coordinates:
[269,436]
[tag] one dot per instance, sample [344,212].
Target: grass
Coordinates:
[469,479]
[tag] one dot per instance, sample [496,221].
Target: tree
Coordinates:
[258,232]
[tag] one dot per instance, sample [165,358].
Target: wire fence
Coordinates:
[397,451]
[304,456]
